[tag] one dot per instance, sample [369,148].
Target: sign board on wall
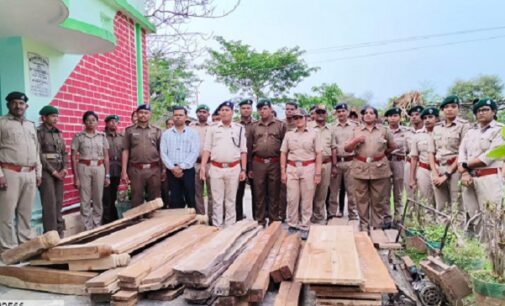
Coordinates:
[38,71]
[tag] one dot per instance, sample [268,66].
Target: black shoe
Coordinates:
[304,235]
[292,230]
[386,225]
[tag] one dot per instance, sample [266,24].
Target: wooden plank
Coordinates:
[124,295]
[260,286]
[169,283]
[391,234]
[409,263]
[289,294]
[347,302]
[378,237]
[78,252]
[330,257]
[284,266]
[31,248]
[336,292]
[131,302]
[109,262]
[198,296]
[376,275]
[250,264]
[43,279]
[109,289]
[338,221]
[166,294]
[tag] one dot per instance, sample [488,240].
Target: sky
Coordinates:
[318,26]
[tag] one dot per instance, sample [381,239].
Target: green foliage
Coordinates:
[416,257]
[482,86]
[468,256]
[171,82]
[260,74]
[435,232]
[327,94]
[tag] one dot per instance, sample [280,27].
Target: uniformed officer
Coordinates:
[443,149]
[226,145]
[301,156]
[245,107]
[397,162]
[290,107]
[327,140]
[416,123]
[115,140]
[90,161]
[342,130]
[141,161]
[201,126]
[480,175]
[370,168]
[264,143]
[54,159]
[20,172]
[420,170]
[215,116]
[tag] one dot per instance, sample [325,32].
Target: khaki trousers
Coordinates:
[319,210]
[425,187]
[485,189]
[447,193]
[406,177]
[370,195]
[267,181]
[91,193]
[142,180]
[51,197]
[300,189]
[199,189]
[397,182]
[16,204]
[224,184]
[343,172]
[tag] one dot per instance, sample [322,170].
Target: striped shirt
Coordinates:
[179,149]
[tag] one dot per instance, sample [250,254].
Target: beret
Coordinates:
[393,111]
[430,110]
[263,102]
[417,108]
[449,100]
[484,102]
[298,113]
[245,101]
[319,107]
[202,106]
[341,106]
[216,112]
[112,117]
[146,107]
[48,110]
[16,95]
[226,103]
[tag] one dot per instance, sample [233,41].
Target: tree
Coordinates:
[260,74]
[482,86]
[327,94]
[171,82]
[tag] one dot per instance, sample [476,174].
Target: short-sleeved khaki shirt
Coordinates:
[53,153]
[419,145]
[326,138]
[90,147]
[478,142]
[265,138]
[143,143]
[377,141]
[225,143]
[301,146]
[446,139]
[400,137]
[343,133]
[201,129]
[116,141]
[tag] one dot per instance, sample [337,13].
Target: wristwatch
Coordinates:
[107,176]
[465,166]
[448,175]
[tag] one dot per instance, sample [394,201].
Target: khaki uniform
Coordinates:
[410,135]
[487,180]
[397,163]
[264,141]
[144,162]
[199,184]
[300,147]
[239,205]
[371,177]
[225,144]
[91,171]
[342,134]
[115,141]
[445,145]
[290,126]
[419,148]
[327,140]
[53,156]
[20,165]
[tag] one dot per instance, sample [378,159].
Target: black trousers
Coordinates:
[109,201]
[182,190]
[239,203]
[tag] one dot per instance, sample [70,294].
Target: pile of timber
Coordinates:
[342,268]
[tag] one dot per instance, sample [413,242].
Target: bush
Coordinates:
[469,257]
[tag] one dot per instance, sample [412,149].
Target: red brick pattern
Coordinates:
[104,83]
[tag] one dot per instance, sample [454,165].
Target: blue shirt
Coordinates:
[179,149]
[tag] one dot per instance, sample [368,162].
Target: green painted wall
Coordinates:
[11,72]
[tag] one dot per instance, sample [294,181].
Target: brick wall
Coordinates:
[104,83]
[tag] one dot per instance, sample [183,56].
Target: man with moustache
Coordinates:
[115,140]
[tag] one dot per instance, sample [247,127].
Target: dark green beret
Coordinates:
[263,102]
[202,106]
[449,100]
[393,111]
[16,95]
[48,110]
[245,101]
[112,117]
[484,102]
[417,108]
[430,110]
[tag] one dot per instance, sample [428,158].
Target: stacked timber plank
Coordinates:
[385,239]
[343,267]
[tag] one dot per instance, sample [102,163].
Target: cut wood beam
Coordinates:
[284,265]
[109,289]
[347,302]
[166,294]
[124,295]
[109,262]
[289,294]
[169,283]
[78,252]
[31,248]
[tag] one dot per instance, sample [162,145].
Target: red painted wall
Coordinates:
[104,83]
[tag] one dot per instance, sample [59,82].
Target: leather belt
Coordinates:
[484,172]
[326,159]
[449,162]
[51,155]
[424,166]
[397,158]
[89,162]
[370,159]
[345,158]
[301,163]
[225,165]
[268,160]
[17,168]
[142,166]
